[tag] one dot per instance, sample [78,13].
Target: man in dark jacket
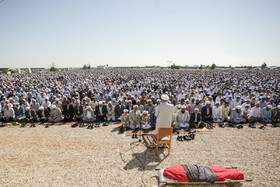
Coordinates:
[68,111]
[43,115]
[195,119]
[78,111]
[30,115]
[100,112]
[206,113]
[119,110]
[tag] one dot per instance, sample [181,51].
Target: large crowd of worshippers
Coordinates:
[131,96]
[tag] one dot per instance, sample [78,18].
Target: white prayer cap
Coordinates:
[10,105]
[207,103]
[88,107]
[56,99]
[178,106]
[17,103]
[125,110]
[110,102]
[183,107]
[138,100]
[164,97]
[149,100]
[247,105]
[145,112]
[100,102]
[158,100]
[135,106]
[238,96]
[217,102]
[129,101]
[53,106]
[257,103]
[27,108]
[278,106]
[41,108]
[269,106]
[196,109]
[238,107]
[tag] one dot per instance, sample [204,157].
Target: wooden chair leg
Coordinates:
[169,145]
[157,150]
[153,143]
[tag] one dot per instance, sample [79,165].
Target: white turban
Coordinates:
[165,97]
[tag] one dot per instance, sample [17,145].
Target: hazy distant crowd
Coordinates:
[132,95]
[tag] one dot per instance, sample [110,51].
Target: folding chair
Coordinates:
[164,137]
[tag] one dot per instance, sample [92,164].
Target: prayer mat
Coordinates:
[203,130]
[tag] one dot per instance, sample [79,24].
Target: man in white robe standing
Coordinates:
[164,113]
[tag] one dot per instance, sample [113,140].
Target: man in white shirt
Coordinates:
[255,115]
[217,113]
[236,102]
[182,118]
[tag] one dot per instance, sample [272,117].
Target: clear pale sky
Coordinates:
[71,33]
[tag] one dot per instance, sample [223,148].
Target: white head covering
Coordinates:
[238,107]
[183,107]
[278,106]
[100,102]
[145,112]
[269,106]
[125,110]
[165,97]
[41,108]
[53,106]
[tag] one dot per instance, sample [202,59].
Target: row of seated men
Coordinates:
[183,119]
[134,117]
[54,113]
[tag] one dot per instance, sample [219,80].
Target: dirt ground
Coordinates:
[63,156]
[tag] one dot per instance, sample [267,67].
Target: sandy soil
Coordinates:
[63,156]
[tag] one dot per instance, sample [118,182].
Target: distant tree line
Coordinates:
[86,66]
